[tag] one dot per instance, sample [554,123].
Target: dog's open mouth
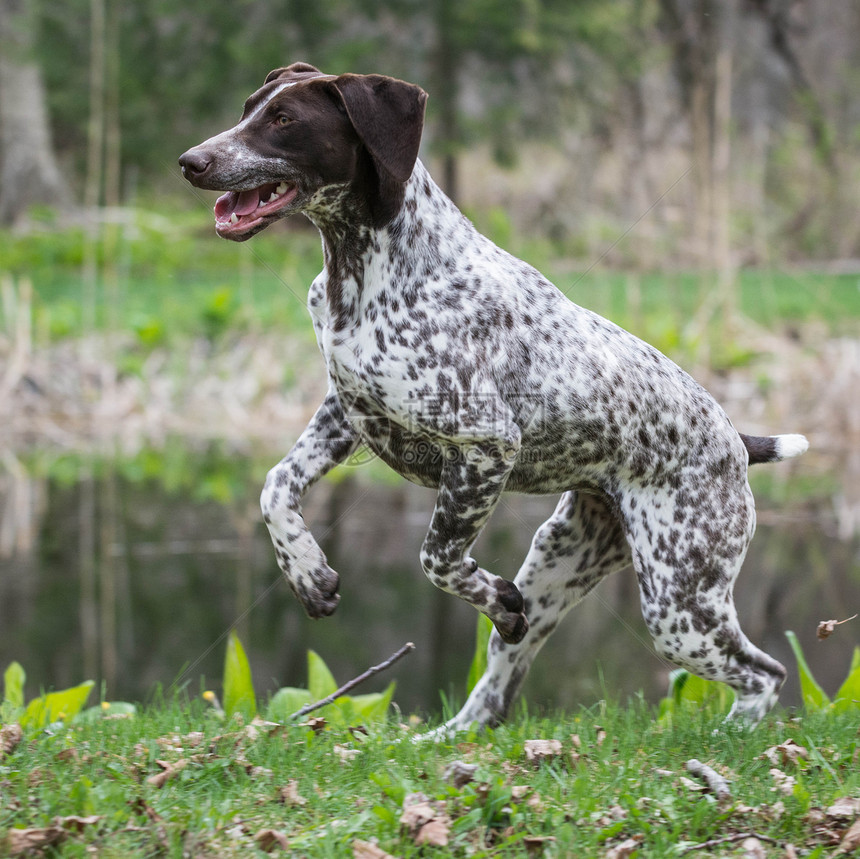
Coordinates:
[237,212]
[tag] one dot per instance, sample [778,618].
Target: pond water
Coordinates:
[135,580]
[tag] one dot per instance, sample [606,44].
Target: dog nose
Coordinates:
[194,164]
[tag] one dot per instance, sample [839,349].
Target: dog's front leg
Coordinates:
[473,477]
[328,440]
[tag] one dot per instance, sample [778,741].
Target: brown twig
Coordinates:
[374,669]
[715,782]
[728,839]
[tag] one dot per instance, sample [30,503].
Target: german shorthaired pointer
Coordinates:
[465,370]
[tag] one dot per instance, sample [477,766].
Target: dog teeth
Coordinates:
[279,191]
[234,218]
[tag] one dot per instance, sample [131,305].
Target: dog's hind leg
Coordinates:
[580,544]
[687,570]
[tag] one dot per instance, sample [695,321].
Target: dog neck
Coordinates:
[353,247]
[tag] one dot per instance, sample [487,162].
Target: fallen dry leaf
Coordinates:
[416,811]
[753,849]
[814,816]
[344,754]
[844,808]
[607,818]
[10,737]
[258,772]
[535,844]
[784,783]
[70,754]
[434,832]
[78,823]
[534,801]
[170,742]
[851,840]
[519,792]
[168,772]
[240,830]
[542,750]
[482,791]
[367,850]
[289,794]
[141,806]
[774,811]
[692,785]
[20,841]
[459,773]
[513,770]
[268,839]
[427,822]
[788,752]
[623,850]
[827,627]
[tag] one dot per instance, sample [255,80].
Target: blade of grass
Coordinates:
[814,697]
[238,684]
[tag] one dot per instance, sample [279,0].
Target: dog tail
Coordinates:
[772,448]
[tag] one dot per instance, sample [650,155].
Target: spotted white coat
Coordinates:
[466,370]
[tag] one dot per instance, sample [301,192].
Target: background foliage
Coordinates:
[752,98]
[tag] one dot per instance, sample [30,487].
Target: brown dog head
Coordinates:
[309,142]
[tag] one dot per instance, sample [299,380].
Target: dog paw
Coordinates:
[512,628]
[318,593]
[511,621]
[509,596]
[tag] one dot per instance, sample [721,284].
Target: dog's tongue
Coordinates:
[247,201]
[237,203]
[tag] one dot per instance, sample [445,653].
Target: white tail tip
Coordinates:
[791,445]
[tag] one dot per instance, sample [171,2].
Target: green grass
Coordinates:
[175,278]
[619,776]
[769,298]
[162,276]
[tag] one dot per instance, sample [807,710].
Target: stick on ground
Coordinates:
[374,669]
[729,839]
[715,782]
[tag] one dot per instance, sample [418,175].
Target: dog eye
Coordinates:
[282,119]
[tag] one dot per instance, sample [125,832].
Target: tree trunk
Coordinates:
[446,92]
[691,28]
[28,168]
[721,196]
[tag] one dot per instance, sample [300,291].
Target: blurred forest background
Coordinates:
[606,104]
[689,168]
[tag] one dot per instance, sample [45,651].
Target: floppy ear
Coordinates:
[297,71]
[388,116]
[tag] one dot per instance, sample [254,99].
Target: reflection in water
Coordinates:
[135,581]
